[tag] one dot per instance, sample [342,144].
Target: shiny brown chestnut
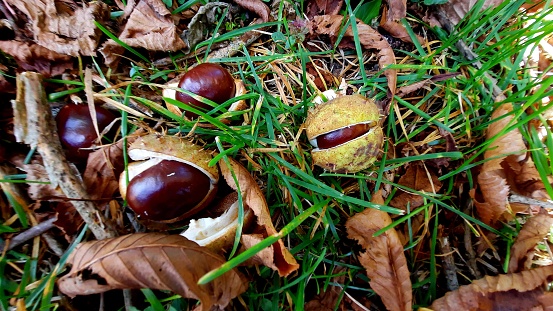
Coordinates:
[76,129]
[343,135]
[170,180]
[167,190]
[207,80]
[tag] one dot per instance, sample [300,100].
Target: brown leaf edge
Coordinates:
[282,260]
[533,231]
[482,292]
[150,260]
[383,259]
[370,39]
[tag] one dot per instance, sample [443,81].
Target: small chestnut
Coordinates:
[345,133]
[76,130]
[210,81]
[171,179]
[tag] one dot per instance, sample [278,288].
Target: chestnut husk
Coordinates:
[344,111]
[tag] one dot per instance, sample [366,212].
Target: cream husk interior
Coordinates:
[207,230]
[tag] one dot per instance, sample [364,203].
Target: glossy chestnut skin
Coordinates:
[343,135]
[167,190]
[76,130]
[207,80]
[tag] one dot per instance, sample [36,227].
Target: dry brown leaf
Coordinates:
[519,291]
[370,39]
[390,21]
[149,26]
[524,178]
[455,10]
[533,231]
[383,259]
[415,178]
[258,7]
[150,260]
[502,173]
[103,167]
[323,7]
[69,31]
[281,259]
[326,300]
[33,57]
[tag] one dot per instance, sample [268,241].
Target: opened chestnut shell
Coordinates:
[76,129]
[171,179]
[345,133]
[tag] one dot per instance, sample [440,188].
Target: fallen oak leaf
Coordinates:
[521,290]
[369,38]
[258,7]
[533,231]
[383,259]
[390,21]
[150,260]
[281,259]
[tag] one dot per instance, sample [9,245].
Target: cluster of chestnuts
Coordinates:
[346,134]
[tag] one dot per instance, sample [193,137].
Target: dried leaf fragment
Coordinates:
[521,291]
[415,178]
[384,260]
[33,57]
[496,179]
[370,39]
[62,29]
[277,257]
[323,7]
[533,231]
[150,260]
[149,26]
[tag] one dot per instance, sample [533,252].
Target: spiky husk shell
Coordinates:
[356,154]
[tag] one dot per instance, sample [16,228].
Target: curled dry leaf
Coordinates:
[514,291]
[63,29]
[33,57]
[370,39]
[323,7]
[415,178]
[327,300]
[533,231]
[150,260]
[494,184]
[455,10]
[383,259]
[103,167]
[277,257]
[149,26]
[258,7]
[390,21]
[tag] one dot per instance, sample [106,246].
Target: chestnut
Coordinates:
[76,130]
[210,81]
[171,179]
[346,134]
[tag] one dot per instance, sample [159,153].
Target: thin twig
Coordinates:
[450,269]
[34,125]
[28,234]
[516,198]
